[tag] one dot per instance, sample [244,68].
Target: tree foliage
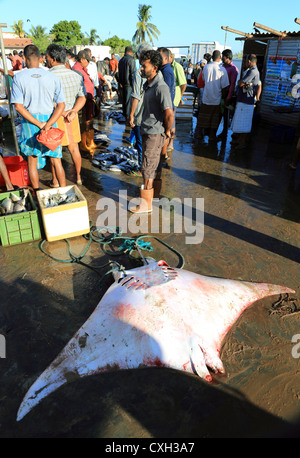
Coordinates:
[117,45]
[144,27]
[18,29]
[39,37]
[67,34]
[93,38]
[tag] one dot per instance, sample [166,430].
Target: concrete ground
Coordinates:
[251,232]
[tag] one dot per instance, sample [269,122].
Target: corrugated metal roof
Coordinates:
[267,35]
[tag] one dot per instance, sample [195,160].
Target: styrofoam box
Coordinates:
[66,220]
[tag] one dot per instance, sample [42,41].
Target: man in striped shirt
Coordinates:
[75,98]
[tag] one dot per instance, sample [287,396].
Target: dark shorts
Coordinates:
[88,109]
[209,116]
[152,147]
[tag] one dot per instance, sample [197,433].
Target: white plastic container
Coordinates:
[65,220]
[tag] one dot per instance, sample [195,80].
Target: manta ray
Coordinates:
[154,315]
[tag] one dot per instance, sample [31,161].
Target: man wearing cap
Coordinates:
[87,132]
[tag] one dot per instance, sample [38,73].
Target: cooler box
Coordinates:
[17,169]
[19,227]
[65,220]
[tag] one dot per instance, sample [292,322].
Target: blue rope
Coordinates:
[106,237]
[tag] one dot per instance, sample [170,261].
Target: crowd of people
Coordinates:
[69,94]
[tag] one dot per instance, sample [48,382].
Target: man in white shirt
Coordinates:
[92,70]
[214,79]
[8,63]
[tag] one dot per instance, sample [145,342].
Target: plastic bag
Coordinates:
[52,138]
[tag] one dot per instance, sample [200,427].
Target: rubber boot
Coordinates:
[157,188]
[145,206]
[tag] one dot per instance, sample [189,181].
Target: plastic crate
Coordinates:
[19,227]
[67,220]
[17,169]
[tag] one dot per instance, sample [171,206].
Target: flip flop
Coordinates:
[51,185]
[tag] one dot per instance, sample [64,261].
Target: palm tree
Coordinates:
[93,38]
[18,28]
[40,37]
[144,27]
[38,32]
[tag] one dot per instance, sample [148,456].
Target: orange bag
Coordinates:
[52,138]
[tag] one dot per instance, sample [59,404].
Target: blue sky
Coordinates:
[180,23]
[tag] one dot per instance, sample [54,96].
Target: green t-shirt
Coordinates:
[180,79]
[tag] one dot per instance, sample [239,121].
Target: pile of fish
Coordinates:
[53,200]
[122,159]
[111,105]
[117,115]
[101,138]
[15,204]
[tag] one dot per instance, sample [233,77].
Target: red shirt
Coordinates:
[88,83]
[200,82]
[17,63]
[113,65]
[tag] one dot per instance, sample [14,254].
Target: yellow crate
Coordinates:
[66,220]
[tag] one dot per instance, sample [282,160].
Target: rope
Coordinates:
[129,244]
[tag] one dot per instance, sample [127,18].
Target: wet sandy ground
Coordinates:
[251,233]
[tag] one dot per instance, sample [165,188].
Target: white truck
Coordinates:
[100,52]
[203,47]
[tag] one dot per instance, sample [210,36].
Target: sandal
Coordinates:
[51,185]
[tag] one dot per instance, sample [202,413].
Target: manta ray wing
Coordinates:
[154,315]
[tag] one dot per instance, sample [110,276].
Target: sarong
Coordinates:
[209,116]
[242,118]
[30,146]
[72,130]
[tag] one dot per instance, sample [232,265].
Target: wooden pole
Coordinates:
[267,29]
[228,29]
[12,115]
